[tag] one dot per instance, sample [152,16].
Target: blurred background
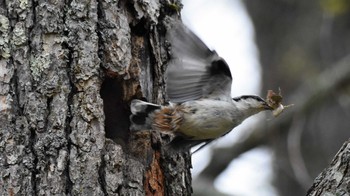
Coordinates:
[302,47]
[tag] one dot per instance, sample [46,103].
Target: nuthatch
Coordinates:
[198,85]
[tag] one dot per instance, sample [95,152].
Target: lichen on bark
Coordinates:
[55,56]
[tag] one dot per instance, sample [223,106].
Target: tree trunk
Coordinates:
[68,70]
[335,179]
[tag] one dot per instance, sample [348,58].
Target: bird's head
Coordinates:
[251,104]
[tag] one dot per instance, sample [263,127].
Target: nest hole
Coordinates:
[116,110]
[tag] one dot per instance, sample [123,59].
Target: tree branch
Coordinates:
[334,180]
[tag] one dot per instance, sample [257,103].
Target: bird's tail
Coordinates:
[141,114]
[142,118]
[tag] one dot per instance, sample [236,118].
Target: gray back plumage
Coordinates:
[195,71]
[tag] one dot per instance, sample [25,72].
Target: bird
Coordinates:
[198,86]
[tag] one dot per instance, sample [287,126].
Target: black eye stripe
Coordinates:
[247,97]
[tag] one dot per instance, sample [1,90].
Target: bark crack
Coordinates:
[65,46]
[14,81]
[101,169]
[35,171]
[35,161]
[101,173]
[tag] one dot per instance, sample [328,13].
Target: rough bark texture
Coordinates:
[335,179]
[68,70]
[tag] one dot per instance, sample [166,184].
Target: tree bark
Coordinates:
[335,179]
[68,70]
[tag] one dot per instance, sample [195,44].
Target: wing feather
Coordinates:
[195,71]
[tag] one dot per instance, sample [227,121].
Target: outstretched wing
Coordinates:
[195,71]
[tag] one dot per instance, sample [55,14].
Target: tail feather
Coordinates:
[140,114]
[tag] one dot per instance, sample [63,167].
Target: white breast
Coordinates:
[209,119]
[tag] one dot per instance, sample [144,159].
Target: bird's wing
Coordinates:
[194,70]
